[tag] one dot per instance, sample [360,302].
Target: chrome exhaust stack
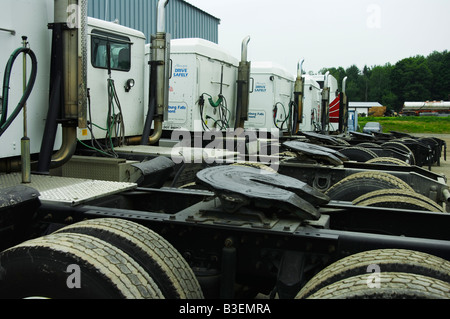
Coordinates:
[73,15]
[298,99]
[159,82]
[68,88]
[243,86]
[343,120]
[325,119]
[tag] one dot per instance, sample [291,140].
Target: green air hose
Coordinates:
[5,122]
[217,103]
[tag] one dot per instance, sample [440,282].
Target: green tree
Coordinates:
[445,77]
[389,100]
[338,73]
[379,82]
[435,62]
[412,80]
[415,78]
[354,90]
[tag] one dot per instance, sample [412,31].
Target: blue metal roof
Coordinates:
[183,20]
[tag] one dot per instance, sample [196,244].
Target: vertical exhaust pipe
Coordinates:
[159,82]
[243,86]
[325,120]
[343,120]
[244,51]
[161,23]
[298,99]
[68,90]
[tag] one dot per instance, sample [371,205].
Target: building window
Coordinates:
[118,49]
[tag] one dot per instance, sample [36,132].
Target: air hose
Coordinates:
[5,122]
[215,104]
[275,114]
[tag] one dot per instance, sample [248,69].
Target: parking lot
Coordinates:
[444,167]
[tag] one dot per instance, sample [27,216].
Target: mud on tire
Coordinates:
[39,268]
[391,286]
[152,252]
[388,260]
[398,198]
[388,160]
[359,184]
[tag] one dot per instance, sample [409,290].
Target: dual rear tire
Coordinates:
[390,286]
[115,259]
[384,273]
[378,189]
[362,183]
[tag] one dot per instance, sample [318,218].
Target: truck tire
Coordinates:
[395,198]
[41,268]
[388,160]
[286,154]
[391,286]
[429,141]
[399,146]
[398,202]
[257,165]
[368,145]
[356,185]
[388,260]
[358,154]
[342,141]
[152,252]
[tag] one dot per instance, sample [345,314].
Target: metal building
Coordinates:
[183,20]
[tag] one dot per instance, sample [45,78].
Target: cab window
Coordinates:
[118,49]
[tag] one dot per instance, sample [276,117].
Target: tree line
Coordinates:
[413,79]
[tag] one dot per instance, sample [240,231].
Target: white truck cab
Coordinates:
[270,97]
[128,66]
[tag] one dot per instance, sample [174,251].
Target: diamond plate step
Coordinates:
[64,190]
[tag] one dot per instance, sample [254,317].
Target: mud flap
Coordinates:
[17,207]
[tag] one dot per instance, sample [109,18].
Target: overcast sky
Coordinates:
[331,33]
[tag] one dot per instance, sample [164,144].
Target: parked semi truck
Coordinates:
[90,203]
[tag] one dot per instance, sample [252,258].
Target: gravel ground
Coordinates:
[444,168]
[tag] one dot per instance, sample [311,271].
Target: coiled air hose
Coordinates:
[5,122]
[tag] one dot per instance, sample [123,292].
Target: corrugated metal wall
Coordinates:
[183,20]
